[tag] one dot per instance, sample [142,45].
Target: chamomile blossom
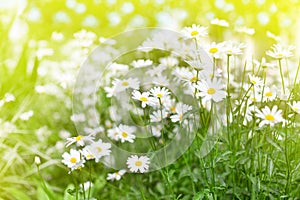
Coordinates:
[156,130]
[73,160]
[87,153]
[144,98]
[158,116]
[126,133]
[184,74]
[80,140]
[232,48]
[180,110]
[141,63]
[123,84]
[159,92]
[255,95]
[197,64]
[99,149]
[116,175]
[195,31]
[211,90]
[219,22]
[295,106]
[136,163]
[160,80]
[243,29]
[256,81]
[155,71]
[269,116]
[269,94]
[215,49]
[113,133]
[169,61]
[279,52]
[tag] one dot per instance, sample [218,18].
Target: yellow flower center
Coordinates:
[159,95]
[270,117]
[194,33]
[138,163]
[125,83]
[213,50]
[79,137]
[194,79]
[253,99]
[180,117]
[144,99]
[269,94]
[172,108]
[73,160]
[211,91]
[89,156]
[124,134]
[253,82]
[99,149]
[280,55]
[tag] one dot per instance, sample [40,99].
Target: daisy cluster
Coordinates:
[162,94]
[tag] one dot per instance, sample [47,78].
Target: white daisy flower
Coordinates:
[126,133]
[256,81]
[116,175]
[186,75]
[169,61]
[136,163]
[155,71]
[215,49]
[232,48]
[265,64]
[243,29]
[180,110]
[73,159]
[295,106]
[279,52]
[87,153]
[156,130]
[159,93]
[121,85]
[255,95]
[158,116]
[99,149]
[269,94]
[160,80]
[26,115]
[197,64]
[219,22]
[269,117]
[144,98]
[195,31]
[80,140]
[211,89]
[141,63]
[113,133]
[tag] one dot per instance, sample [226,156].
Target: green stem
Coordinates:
[281,75]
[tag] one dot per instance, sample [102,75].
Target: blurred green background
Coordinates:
[38,19]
